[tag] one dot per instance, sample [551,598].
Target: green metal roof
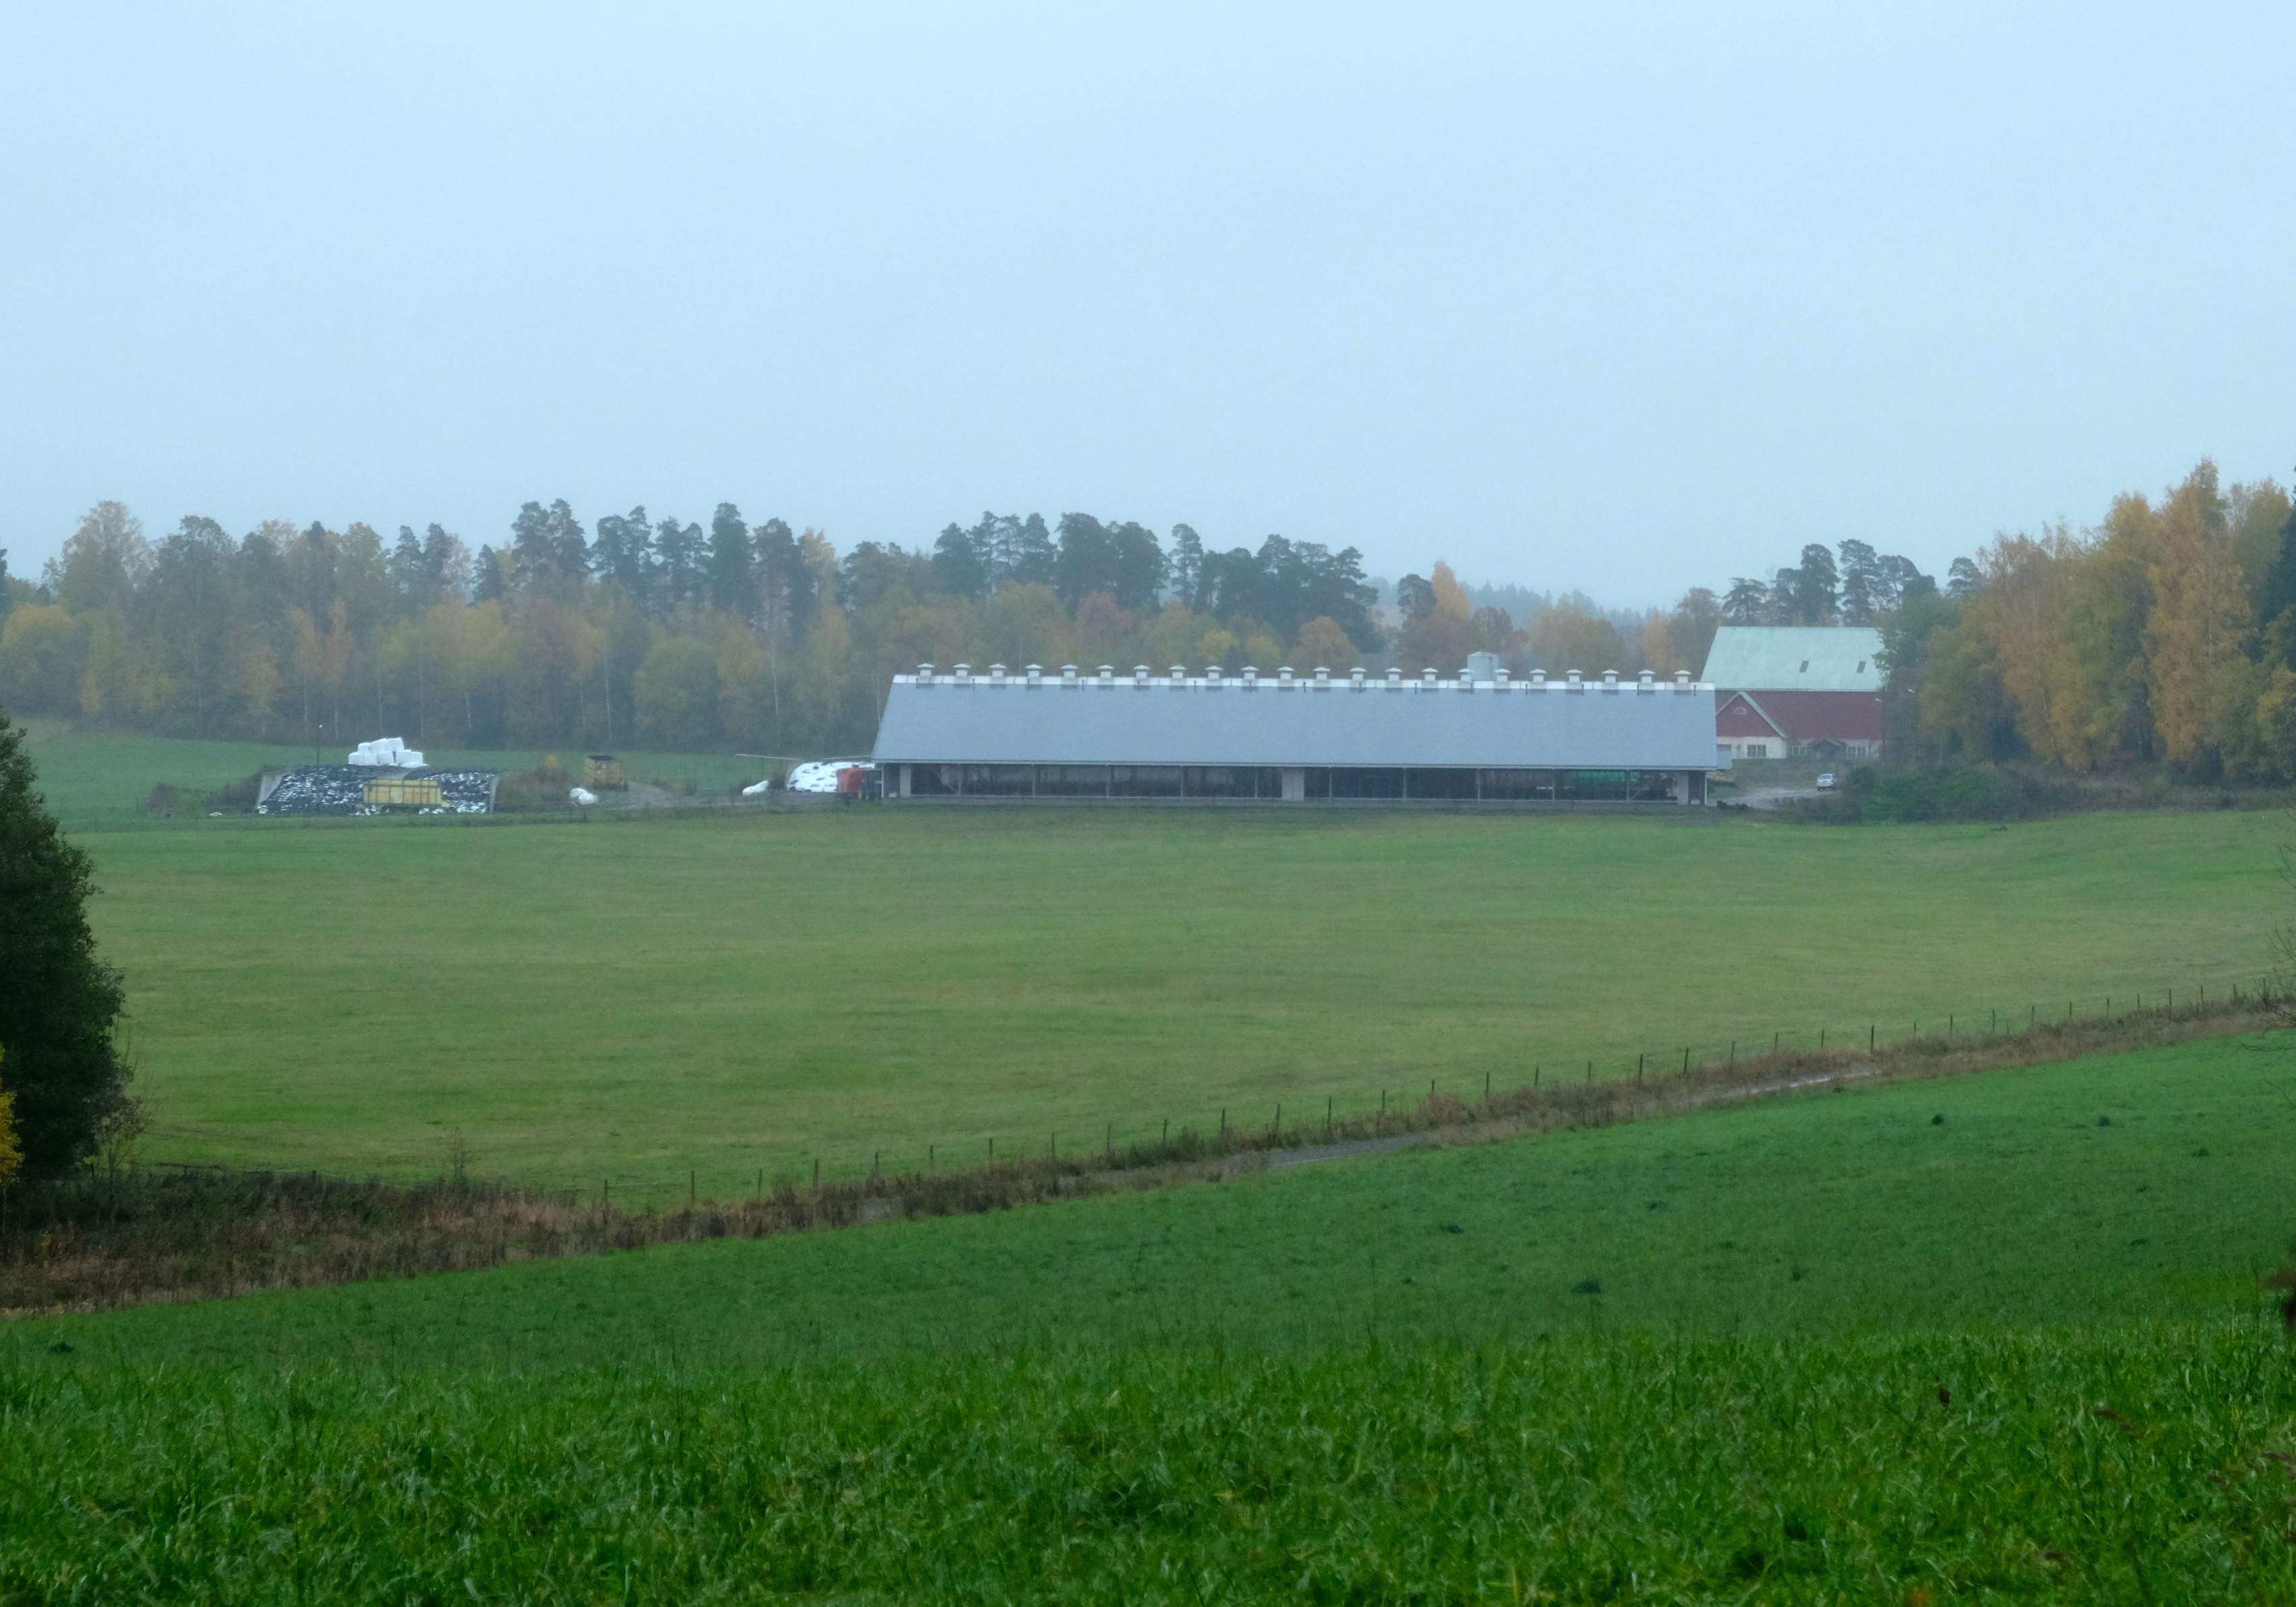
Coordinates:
[1799,657]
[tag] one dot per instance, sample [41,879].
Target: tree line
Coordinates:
[639,630]
[2167,632]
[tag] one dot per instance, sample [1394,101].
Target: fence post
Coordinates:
[816,1174]
[1327,1116]
[693,1189]
[1686,1060]
[1869,1037]
[1774,1042]
[1223,1121]
[1279,1118]
[876,1156]
[761,1183]
[1821,1040]
[1733,1054]
[1590,1071]
[1948,1029]
[605,1191]
[1111,1142]
[1534,1074]
[928,1158]
[1638,1068]
[1486,1086]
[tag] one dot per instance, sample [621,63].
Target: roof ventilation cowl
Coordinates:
[1179,674]
[925,675]
[1108,675]
[1356,678]
[1500,678]
[1646,682]
[963,674]
[1681,680]
[1250,676]
[1539,679]
[1577,683]
[1036,674]
[1609,680]
[1283,677]
[996,675]
[1140,674]
[1323,677]
[1394,679]
[1212,677]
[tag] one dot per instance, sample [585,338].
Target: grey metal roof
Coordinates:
[1796,658]
[1197,720]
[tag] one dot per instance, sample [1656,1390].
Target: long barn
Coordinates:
[1217,737]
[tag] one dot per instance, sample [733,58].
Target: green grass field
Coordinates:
[1815,1214]
[1839,1351]
[638,999]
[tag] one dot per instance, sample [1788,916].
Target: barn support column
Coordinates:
[1295,784]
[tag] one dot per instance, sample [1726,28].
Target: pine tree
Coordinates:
[959,567]
[488,584]
[1747,602]
[1184,570]
[1814,587]
[1028,557]
[529,558]
[2277,596]
[58,1003]
[570,553]
[733,564]
[410,577]
[678,562]
[1862,586]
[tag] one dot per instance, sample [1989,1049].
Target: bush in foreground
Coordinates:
[58,1001]
[2147,1464]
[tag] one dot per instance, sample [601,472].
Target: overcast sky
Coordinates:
[1619,298]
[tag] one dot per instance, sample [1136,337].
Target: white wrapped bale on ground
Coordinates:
[761,790]
[582,796]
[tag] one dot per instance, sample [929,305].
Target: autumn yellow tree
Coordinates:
[1324,646]
[2193,638]
[11,1151]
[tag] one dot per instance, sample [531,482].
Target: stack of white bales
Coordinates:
[387,752]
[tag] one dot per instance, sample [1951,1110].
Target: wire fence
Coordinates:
[1294,1118]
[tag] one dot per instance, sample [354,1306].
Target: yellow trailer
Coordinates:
[404,792]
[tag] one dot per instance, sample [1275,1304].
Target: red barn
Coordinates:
[1781,689]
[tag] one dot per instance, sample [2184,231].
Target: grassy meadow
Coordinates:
[1825,1348]
[635,999]
[2085,1192]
